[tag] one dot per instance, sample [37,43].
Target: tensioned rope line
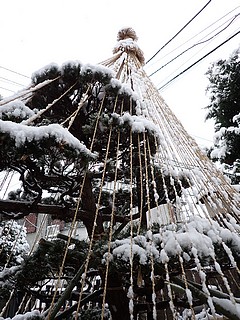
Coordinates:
[39,232]
[199,60]
[179,31]
[141,185]
[73,116]
[110,229]
[130,290]
[27,91]
[179,186]
[148,154]
[49,106]
[52,311]
[4,179]
[96,213]
[7,303]
[183,151]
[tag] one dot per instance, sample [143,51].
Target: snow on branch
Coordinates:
[96,69]
[124,88]
[28,315]
[221,142]
[138,124]
[200,233]
[15,109]
[22,134]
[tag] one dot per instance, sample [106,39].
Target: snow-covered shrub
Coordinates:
[13,243]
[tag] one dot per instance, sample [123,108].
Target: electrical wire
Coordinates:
[198,137]
[7,89]
[183,65]
[196,44]
[13,82]
[196,62]
[196,35]
[179,31]
[20,74]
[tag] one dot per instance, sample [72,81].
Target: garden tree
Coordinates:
[224,91]
[13,243]
[13,248]
[88,147]
[49,158]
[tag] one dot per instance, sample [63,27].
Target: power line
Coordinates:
[7,89]
[20,74]
[202,138]
[179,31]
[194,45]
[183,65]
[196,62]
[212,24]
[13,82]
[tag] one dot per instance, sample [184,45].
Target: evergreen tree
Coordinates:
[83,152]
[13,243]
[58,141]
[13,249]
[224,108]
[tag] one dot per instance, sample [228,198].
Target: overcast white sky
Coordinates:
[36,33]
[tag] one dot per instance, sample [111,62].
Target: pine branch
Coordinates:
[19,209]
[202,296]
[65,295]
[90,297]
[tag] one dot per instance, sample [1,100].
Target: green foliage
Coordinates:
[13,244]
[224,91]
[48,164]
[104,120]
[224,108]
[46,261]
[94,313]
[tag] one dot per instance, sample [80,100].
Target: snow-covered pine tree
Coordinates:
[13,243]
[224,108]
[98,144]
[50,158]
[13,249]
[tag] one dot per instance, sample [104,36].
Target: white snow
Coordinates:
[96,69]
[163,256]
[13,239]
[195,238]
[8,271]
[129,45]
[25,316]
[22,133]
[139,124]
[189,296]
[42,71]
[233,308]
[16,109]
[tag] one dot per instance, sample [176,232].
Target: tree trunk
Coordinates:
[117,298]
[89,205]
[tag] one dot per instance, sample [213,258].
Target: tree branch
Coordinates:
[19,209]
